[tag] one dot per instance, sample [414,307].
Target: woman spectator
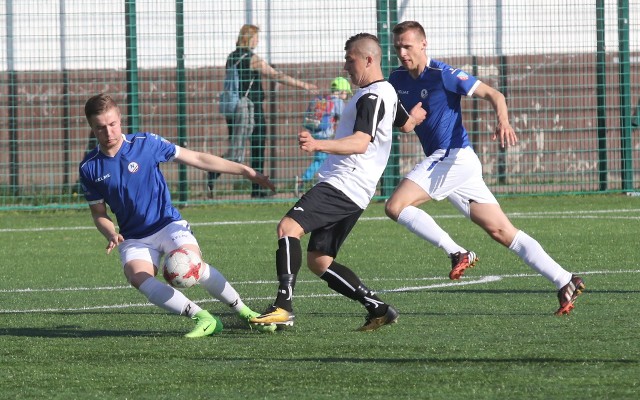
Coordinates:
[252,68]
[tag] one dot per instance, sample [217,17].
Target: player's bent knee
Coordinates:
[502,236]
[318,263]
[392,209]
[289,227]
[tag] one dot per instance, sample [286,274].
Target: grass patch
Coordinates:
[70,327]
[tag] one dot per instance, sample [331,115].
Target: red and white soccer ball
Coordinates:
[182,268]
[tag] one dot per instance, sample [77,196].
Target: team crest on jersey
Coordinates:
[424,93]
[133,167]
[462,76]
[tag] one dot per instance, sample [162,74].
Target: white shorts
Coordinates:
[151,248]
[455,175]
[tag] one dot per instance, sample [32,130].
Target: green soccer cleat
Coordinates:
[247,314]
[206,325]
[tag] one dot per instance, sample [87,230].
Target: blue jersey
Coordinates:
[440,88]
[132,184]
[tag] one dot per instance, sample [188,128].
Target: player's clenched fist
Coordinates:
[306,141]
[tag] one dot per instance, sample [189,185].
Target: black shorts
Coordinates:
[328,214]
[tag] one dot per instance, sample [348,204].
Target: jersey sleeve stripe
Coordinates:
[473,88]
[369,113]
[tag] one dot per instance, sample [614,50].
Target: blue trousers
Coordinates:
[318,159]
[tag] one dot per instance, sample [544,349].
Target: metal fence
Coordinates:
[570,71]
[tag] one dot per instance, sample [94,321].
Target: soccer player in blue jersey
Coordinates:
[347,181]
[123,172]
[452,169]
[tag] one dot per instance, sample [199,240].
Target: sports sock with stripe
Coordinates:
[346,282]
[288,263]
[217,285]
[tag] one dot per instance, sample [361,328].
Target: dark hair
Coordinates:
[99,104]
[402,27]
[360,36]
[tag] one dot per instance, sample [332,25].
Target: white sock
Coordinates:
[217,286]
[168,298]
[425,227]
[530,251]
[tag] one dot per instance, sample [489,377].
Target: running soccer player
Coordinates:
[452,169]
[123,172]
[347,181]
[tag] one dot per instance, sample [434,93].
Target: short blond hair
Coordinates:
[247,32]
[405,26]
[99,104]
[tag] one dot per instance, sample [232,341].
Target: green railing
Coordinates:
[570,71]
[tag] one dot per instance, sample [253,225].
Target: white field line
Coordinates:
[462,282]
[310,281]
[591,214]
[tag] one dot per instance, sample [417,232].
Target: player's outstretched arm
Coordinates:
[210,163]
[267,70]
[352,144]
[257,177]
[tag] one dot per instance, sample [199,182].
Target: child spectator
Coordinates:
[321,120]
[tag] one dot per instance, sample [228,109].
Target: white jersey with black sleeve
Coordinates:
[374,110]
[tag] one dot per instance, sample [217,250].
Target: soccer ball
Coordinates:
[182,268]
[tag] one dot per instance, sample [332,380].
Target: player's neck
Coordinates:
[373,77]
[415,72]
[111,151]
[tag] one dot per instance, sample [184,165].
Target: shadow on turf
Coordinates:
[230,321]
[70,331]
[465,360]
[486,291]
[76,332]
[517,291]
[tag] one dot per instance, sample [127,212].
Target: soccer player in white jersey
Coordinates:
[123,172]
[347,181]
[452,169]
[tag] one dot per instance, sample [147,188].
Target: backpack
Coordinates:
[230,95]
[320,114]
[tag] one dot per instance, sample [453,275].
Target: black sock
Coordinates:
[346,282]
[288,263]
